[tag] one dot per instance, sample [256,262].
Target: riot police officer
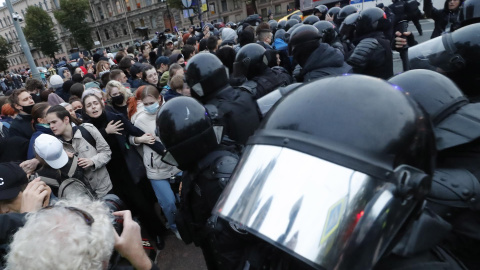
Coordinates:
[251,62]
[192,144]
[316,59]
[236,110]
[372,54]
[355,188]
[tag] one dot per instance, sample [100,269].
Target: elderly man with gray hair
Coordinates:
[76,234]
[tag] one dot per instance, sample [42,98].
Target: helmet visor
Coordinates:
[433,55]
[304,205]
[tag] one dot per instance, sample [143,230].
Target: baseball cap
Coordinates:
[51,150]
[169,41]
[12,177]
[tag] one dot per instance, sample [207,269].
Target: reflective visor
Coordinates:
[305,205]
[433,55]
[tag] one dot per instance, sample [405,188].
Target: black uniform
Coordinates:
[444,18]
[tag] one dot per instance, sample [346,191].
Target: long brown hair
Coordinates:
[39,111]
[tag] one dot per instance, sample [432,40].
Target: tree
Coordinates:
[5,48]
[40,31]
[73,16]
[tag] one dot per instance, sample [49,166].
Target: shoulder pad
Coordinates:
[249,86]
[223,168]
[455,188]
[362,52]
[213,111]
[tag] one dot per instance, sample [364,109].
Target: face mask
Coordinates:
[117,100]
[182,65]
[27,109]
[43,125]
[79,111]
[151,109]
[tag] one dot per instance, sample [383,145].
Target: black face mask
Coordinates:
[79,111]
[118,100]
[182,65]
[27,109]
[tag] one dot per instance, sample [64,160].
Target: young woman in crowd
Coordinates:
[135,105]
[126,168]
[117,97]
[40,125]
[87,143]
[158,172]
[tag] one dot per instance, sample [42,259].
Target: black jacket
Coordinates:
[444,18]
[63,94]
[324,61]
[9,224]
[21,126]
[271,79]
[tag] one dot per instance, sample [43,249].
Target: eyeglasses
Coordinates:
[83,214]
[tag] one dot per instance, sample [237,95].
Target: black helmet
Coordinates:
[210,27]
[359,185]
[470,12]
[296,17]
[273,26]
[326,30]
[302,35]
[253,19]
[205,75]
[252,60]
[290,23]
[456,54]
[371,20]
[186,131]
[232,25]
[311,20]
[321,9]
[333,12]
[456,121]
[280,34]
[344,12]
[281,25]
[290,31]
[347,29]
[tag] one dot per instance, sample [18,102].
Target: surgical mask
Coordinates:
[27,109]
[43,125]
[118,99]
[151,109]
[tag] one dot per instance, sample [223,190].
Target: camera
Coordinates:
[114,204]
[17,17]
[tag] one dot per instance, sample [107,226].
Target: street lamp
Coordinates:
[23,42]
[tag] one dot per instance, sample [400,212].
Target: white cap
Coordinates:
[51,150]
[56,81]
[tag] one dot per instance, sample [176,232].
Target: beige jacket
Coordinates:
[97,175]
[156,168]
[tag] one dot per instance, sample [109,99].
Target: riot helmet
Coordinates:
[333,12]
[456,55]
[290,31]
[470,12]
[232,25]
[280,34]
[305,36]
[205,76]
[455,120]
[371,20]
[273,26]
[355,188]
[290,23]
[253,19]
[251,60]
[186,130]
[209,26]
[281,25]
[347,29]
[322,9]
[311,20]
[296,17]
[344,13]
[326,30]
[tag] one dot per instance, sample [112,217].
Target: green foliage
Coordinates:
[73,16]
[5,48]
[175,4]
[40,31]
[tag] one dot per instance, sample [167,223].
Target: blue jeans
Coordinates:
[166,199]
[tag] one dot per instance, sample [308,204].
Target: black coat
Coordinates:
[21,126]
[324,61]
[442,17]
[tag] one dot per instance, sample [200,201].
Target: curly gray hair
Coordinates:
[59,238]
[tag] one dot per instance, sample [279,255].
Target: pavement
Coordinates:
[427,27]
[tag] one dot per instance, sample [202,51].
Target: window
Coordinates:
[132,25]
[278,9]
[153,22]
[100,13]
[5,20]
[264,12]
[110,10]
[119,8]
[225,19]
[263,1]
[138,3]
[40,5]
[115,33]
[42,64]
[237,17]
[148,2]
[107,36]
[91,15]
[142,23]
[1,23]
[224,5]
[7,37]
[236,4]
[127,2]
[15,34]
[98,35]
[124,30]
[10,21]
[46,6]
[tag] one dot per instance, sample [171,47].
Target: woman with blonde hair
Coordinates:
[117,96]
[102,67]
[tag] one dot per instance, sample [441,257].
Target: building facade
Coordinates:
[117,23]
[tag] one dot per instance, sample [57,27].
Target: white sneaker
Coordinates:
[177,234]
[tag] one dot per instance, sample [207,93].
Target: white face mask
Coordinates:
[151,109]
